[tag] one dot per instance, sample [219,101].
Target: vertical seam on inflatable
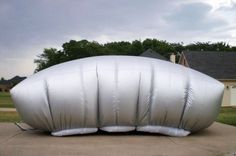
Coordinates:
[84,96]
[137,105]
[165,117]
[145,114]
[48,102]
[61,125]
[70,122]
[47,124]
[151,93]
[65,121]
[186,99]
[98,102]
[116,103]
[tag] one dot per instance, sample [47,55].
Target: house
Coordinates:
[6,85]
[17,79]
[219,65]
[152,54]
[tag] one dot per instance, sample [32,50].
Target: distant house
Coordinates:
[17,79]
[152,54]
[219,65]
[6,85]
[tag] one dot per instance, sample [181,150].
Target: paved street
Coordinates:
[219,139]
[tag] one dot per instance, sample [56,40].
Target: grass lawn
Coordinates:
[9,117]
[5,100]
[227,115]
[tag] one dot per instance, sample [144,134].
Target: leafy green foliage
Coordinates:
[207,46]
[79,49]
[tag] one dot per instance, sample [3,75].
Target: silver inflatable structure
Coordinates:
[118,94]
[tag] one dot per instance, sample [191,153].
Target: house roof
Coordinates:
[220,65]
[17,79]
[152,54]
[13,80]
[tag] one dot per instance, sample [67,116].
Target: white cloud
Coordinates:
[73,37]
[216,4]
[26,27]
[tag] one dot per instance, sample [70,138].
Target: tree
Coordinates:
[79,49]
[136,48]
[49,57]
[162,47]
[207,46]
[178,47]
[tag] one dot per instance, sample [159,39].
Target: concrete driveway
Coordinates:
[219,139]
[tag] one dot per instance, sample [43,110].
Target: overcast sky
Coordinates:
[29,26]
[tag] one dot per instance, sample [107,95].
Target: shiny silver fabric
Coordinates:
[118,94]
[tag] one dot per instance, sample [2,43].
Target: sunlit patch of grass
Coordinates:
[9,117]
[227,116]
[5,100]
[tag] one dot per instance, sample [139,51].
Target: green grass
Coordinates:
[227,116]
[5,100]
[9,117]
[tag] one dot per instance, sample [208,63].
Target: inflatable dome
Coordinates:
[118,94]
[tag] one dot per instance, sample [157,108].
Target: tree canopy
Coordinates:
[79,49]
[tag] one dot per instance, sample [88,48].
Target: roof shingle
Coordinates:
[220,65]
